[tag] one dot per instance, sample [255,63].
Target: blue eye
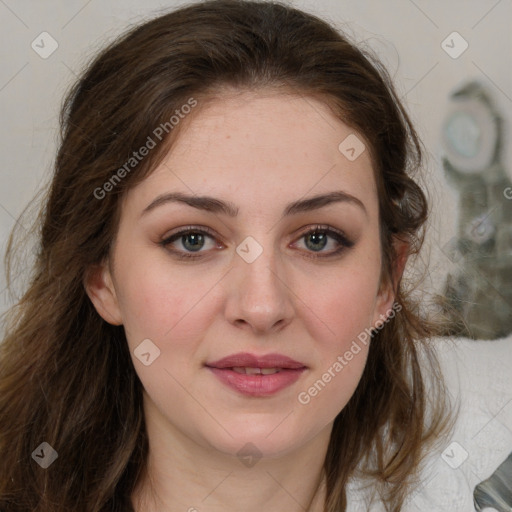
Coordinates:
[193,239]
[317,239]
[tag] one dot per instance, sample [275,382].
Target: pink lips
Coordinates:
[229,370]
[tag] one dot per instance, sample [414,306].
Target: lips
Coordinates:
[256,371]
[257,376]
[246,360]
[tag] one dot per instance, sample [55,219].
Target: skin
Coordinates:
[259,150]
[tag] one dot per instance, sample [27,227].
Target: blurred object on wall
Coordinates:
[480,289]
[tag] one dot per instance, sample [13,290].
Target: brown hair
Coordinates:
[66,376]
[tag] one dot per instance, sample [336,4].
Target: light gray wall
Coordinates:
[406,34]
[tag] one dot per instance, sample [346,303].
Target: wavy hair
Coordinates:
[66,376]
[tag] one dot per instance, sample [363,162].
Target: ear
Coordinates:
[387,292]
[100,288]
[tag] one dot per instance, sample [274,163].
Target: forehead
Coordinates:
[263,148]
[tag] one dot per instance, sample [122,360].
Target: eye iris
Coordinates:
[197,240]
[318,238]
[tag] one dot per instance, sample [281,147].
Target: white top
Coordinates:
[479,375]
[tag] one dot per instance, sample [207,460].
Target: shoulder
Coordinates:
[478,379]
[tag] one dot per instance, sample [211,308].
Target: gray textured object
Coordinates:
[496,491]
[479,287]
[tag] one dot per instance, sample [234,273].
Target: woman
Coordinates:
[217,318]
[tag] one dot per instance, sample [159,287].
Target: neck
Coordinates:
[182,476]
[231,493]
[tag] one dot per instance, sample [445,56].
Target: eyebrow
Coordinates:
[214,205]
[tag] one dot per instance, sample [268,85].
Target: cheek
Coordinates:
[342,318]
[346,305]
[173,311]
[162,303]
[342,352]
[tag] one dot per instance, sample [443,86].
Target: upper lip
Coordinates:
[247,360]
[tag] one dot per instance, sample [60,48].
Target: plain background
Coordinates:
[407,35]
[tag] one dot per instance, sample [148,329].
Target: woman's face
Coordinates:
[257,288]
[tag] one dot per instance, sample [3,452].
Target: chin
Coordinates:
[270,439]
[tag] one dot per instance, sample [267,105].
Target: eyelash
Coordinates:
[339,236]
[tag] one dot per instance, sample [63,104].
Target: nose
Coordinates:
[259,298]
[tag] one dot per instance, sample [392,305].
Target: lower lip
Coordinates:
[257,385]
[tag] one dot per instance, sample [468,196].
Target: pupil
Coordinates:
[197,241]
[320,239]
